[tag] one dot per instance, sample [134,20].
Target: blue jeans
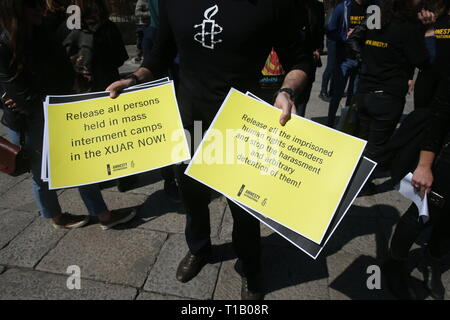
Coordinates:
[345,70]
[47,200]
[331,65]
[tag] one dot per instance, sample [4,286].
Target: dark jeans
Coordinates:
[196,198]
[331,65]
[379,114]
[409,227]
[345,70]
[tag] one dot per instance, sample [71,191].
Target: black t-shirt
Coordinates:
[225,43]
[389,56]
[357,14]
[442,34]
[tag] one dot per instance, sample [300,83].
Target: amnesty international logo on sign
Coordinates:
[101,139]
[295,175]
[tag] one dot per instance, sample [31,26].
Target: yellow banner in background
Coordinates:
[295,175]
[103,139]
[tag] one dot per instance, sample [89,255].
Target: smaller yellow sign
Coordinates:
[295,175]
[103,139]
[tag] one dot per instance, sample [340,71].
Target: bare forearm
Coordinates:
[426,159]
[144,75]
[295,80]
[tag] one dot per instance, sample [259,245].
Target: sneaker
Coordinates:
[324,97]
[70,221]
[118,217]
[171,190]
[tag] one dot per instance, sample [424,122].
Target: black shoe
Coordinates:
[432,272]
[251,288]
[190,267]
[171,190]
[324,96]
[398,279]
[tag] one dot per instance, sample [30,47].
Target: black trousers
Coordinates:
[379,114]
[425,89]
[196,197]
[409,227]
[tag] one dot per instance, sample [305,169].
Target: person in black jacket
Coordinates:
[223,44]
[389,57]
[431,175]
[97,49]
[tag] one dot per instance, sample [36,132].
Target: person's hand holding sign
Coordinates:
[285,102]
[141,75]
[286,95]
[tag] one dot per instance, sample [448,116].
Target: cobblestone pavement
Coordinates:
[138,261]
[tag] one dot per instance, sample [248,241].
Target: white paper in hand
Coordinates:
[407,190]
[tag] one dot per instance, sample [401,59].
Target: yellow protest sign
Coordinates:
[103,139]
[295,175]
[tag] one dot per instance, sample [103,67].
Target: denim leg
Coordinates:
[331,65]
[338,82]
[93,199]
[342,71]
[46,200]
[14,136]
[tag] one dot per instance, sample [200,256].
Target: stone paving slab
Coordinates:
[162,277]
[71,201]
[12,222]
[20,197]
[348,277]
[354,235]
[144,295]
[114,256]
[25,285]
[299,278]
[28,248]
[8,182]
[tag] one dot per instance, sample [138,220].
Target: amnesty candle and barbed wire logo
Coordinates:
[210,29]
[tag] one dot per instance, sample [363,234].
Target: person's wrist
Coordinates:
[424,166]
[287,92]
[131,80]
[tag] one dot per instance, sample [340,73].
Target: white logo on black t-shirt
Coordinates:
[210,29]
